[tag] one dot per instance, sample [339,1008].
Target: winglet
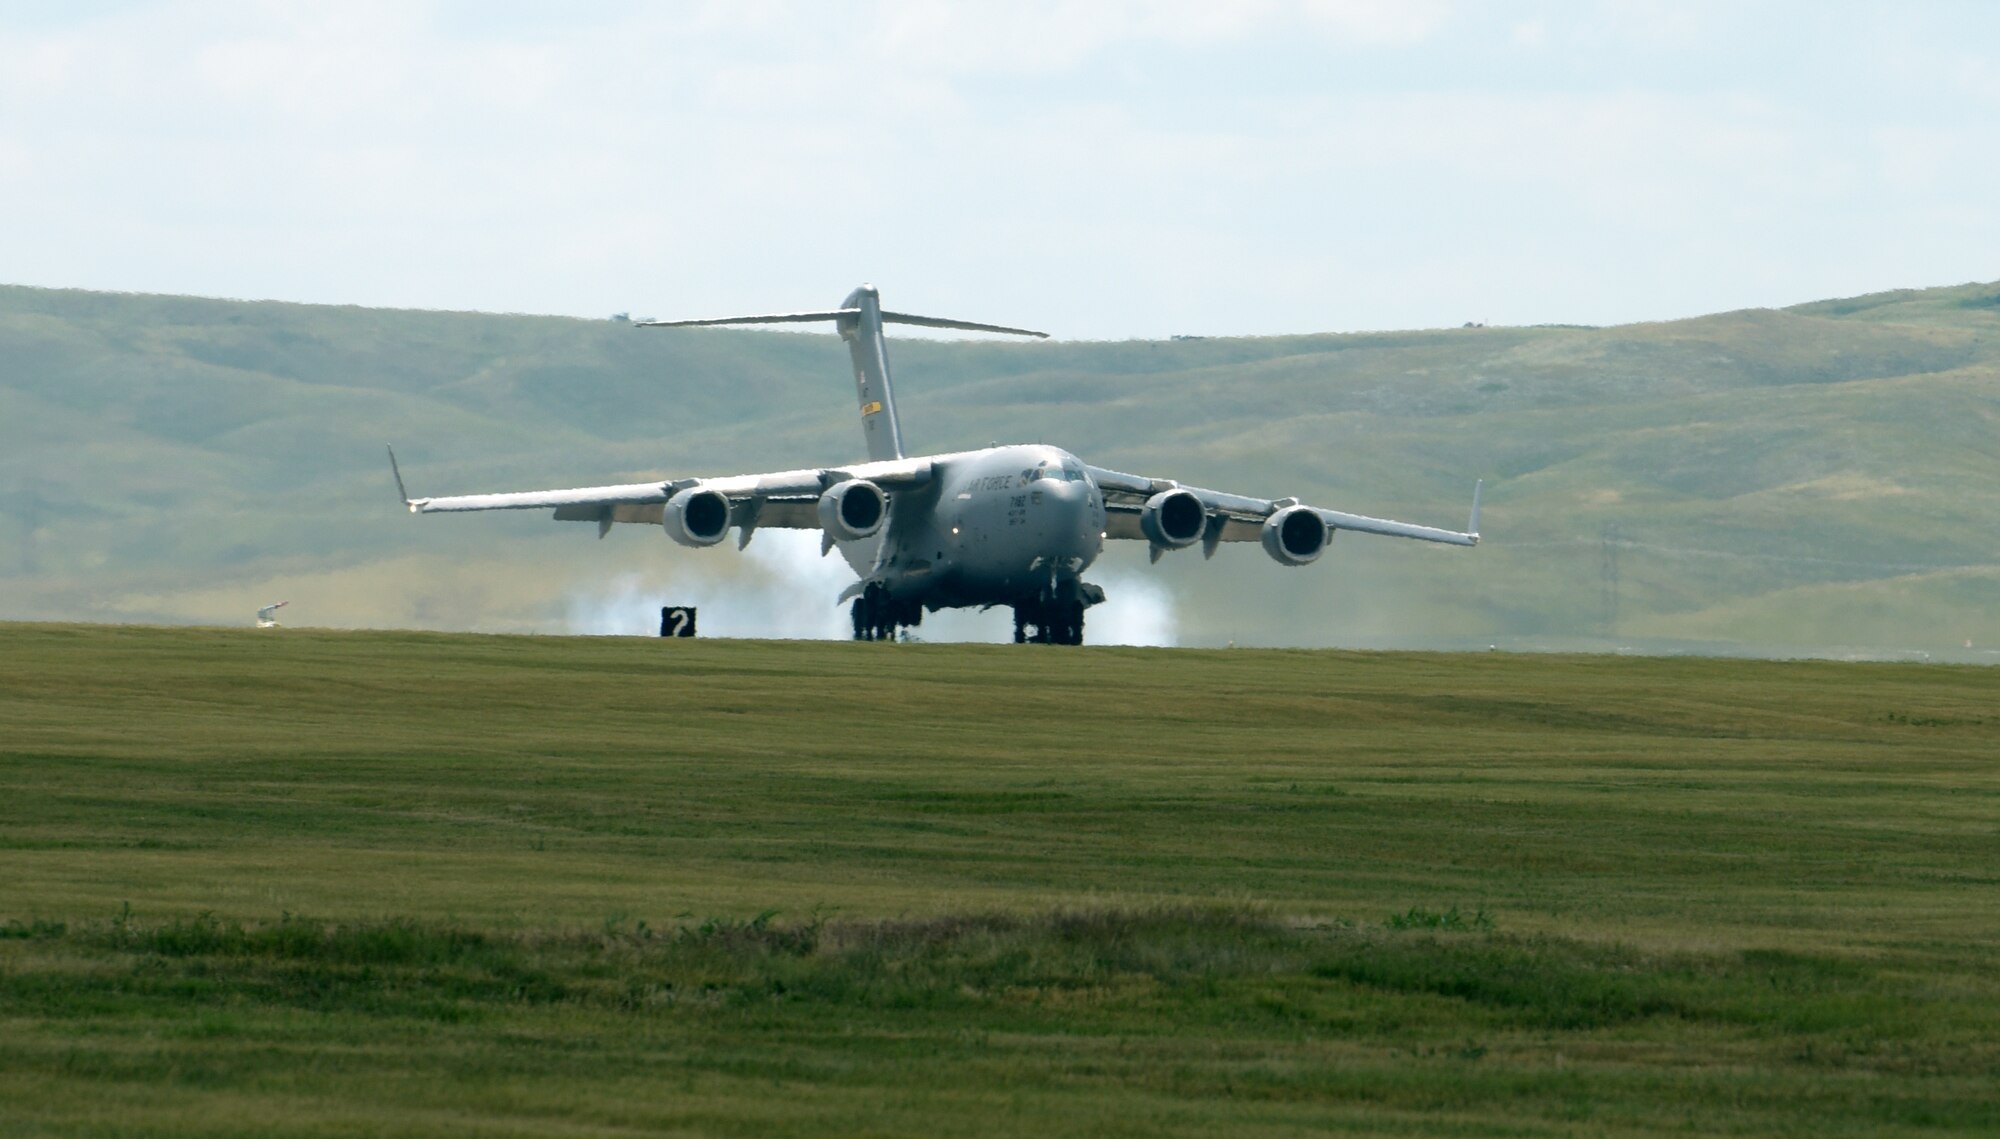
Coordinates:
[398,472]
[1472,527]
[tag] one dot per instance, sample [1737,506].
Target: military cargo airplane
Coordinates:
[1005,525]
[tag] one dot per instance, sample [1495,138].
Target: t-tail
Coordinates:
[860,319]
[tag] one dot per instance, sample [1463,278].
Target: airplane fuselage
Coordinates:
[1000,526]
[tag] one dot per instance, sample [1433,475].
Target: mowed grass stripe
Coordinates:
[770,888]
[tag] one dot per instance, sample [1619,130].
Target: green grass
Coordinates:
[404,884]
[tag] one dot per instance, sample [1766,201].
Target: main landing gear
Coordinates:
[1042,621]
[1053,622]
[877,616]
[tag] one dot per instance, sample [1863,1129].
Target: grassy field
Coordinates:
[407,884]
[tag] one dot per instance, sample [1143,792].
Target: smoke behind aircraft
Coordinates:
[782,587]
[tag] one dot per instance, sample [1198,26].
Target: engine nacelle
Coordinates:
[1173,519]
[696,517]
[1295,536]
[852,510]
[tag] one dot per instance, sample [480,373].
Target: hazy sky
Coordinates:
[1100,169]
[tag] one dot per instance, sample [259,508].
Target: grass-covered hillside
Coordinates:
[1824,478]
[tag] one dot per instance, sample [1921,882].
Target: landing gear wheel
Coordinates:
[1072,624]
[1049,623]
[876,615]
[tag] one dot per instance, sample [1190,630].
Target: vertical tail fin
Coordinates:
[860,319]
[861,326]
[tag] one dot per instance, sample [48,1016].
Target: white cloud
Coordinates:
[1372,23]
[1648,24]
[1041,36]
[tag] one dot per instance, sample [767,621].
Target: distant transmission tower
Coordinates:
[1607,575]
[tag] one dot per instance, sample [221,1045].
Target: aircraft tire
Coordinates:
[880,614]
[1057,623]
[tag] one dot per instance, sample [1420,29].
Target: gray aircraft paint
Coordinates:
[1005,525]
[863,333]
[992,524]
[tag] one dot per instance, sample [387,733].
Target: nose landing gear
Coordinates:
[1054,622]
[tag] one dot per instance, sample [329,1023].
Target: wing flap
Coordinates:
[789,514]
[649,514]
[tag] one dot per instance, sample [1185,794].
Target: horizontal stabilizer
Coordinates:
[771,318]
[859,320]
[966,325]
[837,314]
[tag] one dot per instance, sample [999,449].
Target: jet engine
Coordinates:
[1173,519]
[1295,535]
[852,510]
[696,517]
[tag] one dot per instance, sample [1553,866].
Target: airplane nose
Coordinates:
[1064,497]
[1065,506]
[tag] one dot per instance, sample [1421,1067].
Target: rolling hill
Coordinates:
[1814,480]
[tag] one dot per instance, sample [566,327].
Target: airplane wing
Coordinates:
[784,499]
[1235,518]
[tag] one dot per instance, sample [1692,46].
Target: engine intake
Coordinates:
[1173,519]
[853,510]
[696,517]
[1295,535]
